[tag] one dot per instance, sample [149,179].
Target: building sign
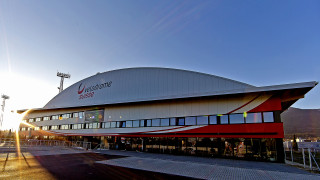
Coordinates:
[88,91]
[94,116]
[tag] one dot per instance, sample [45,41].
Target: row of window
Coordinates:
[56,117]
[195,120]
[263,117]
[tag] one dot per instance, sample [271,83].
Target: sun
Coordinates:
[12,121]
[25,92]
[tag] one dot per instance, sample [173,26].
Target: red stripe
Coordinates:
[162,130]
[244,104]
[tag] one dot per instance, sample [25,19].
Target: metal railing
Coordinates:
[11,143]
[100,147]
[306,155]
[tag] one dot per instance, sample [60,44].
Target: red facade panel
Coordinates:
[259,130]
[272,104]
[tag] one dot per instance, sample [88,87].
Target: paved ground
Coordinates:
[62,163]
[207,168]
[54,163]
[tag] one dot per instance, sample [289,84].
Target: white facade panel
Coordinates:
[140,84]
[182,108]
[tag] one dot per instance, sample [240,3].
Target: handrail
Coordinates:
[10,142]
[315,161]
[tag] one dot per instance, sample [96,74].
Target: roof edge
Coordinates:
[310,85]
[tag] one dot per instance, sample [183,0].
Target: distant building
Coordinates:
[170,111]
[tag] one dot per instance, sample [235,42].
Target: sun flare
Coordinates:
[24,92]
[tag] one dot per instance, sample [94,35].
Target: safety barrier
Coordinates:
[306,154]
[11,143]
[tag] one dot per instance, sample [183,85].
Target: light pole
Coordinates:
[62,75]
[4,98]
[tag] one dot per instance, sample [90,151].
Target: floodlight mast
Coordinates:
[62,75]
[4,98]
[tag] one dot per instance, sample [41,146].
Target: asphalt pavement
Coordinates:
[69,163]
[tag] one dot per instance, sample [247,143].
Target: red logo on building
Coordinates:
[80,91]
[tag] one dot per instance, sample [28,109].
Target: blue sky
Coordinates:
[257,42]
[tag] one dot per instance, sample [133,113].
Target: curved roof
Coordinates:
[142,84]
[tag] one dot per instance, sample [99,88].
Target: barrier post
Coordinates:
[304,158]
[310,160]
[291,155]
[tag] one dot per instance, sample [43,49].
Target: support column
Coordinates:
[279,141]
[220,147]
[144,144]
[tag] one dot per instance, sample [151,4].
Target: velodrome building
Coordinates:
[167,110]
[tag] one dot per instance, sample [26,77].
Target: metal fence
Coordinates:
[12,143]
[305,154]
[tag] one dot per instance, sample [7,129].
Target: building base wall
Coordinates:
[258,149]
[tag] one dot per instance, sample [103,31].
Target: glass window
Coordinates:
[148,122]
[46,118]
[113,124]
[81,114]
[66,116]
[254,118]
[155,122]
[164,122]
[94,116]
[213,120]
[135,123]
[268,117]
[190,121]
[236,118]
[95,125]
[202,120]
[224,119]
[31,120]
[180,121]
[54,117]
[75,115]
[142,123]
[36,128]
[38,119]
[128,123]
[173,122]
[56,127]
[107,125]
[121,124]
